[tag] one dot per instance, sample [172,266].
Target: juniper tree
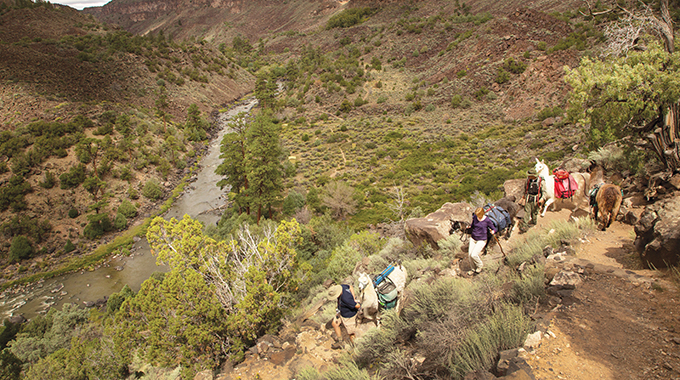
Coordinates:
[634,89]
[217,299]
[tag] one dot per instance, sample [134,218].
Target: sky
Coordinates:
[80,4]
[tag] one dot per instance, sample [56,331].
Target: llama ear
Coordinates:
[537,161]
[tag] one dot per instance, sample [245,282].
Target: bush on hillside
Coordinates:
[98,226]
[152,190]
[514,66]
[73,178]
[21,249]
[127,209]
[349,17]
[12,194]
[69,246]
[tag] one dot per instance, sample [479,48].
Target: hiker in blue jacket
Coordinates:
[478,235]
[347,308]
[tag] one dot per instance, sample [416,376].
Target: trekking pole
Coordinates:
[499,244]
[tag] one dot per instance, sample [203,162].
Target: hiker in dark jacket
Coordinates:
[534,193]
[478,235]
[347,308]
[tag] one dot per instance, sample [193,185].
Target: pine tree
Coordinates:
[264,169]
[233,168]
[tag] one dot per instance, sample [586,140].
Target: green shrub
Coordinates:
[120,222]
[502,76]
[506,328]
[152,190]
[345,106]
[514,66]
[48,181]
[98,226]
[73,213]
[69,246]
[377,65]
[20,249]
[349,17]
[458,101]
[549,112]
[482,92]
[133,193]
[73,178]
[293,202]
[47,334]
[116,299]
[126,173]
[12,194]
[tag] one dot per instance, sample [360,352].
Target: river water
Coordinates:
[199,200]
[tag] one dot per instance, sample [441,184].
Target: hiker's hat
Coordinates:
[334,291]
[532,172]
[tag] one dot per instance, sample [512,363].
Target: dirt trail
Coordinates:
[614,327]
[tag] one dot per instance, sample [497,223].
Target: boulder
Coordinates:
[437,225]
[280,358]
[504,361]
[18,319]
[566,280]
[514,187]
[533,340]
[575,165]
[658,233]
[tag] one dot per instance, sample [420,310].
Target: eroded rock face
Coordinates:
[437,225]
[658,233]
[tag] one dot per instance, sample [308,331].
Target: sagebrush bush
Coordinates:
[530,285]
[537,240]
[449,246]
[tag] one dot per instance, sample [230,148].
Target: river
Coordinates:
[199,199]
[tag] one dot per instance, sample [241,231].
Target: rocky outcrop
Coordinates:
[514,187]
[658,233]
[437,225]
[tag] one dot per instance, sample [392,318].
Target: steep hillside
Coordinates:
[216,21]
[91,114]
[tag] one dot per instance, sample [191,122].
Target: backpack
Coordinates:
[534,186]
[387,293]
[560,174]
[498,215]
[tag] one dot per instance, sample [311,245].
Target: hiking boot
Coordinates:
[470,273]
[337,345]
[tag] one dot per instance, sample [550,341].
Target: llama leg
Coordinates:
[547,204]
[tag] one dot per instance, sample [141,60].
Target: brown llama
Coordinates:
[607,201]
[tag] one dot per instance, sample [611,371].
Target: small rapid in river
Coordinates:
[200,200]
